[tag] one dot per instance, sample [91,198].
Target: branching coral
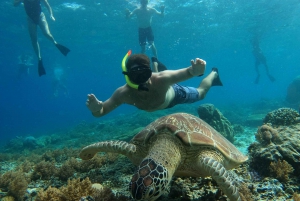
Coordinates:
[266,134]
[51,194]
[281,170]
[73,191]
[296,197]
[44,170]
[15,182]
[245,192]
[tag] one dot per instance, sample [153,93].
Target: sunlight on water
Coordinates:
[73,6]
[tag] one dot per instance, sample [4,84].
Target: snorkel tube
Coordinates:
[135,86]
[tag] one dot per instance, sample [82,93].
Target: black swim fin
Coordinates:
[160,66]
[41,69]
[64,50]
[217,81]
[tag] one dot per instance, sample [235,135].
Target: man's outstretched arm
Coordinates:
[162,11]
[128,14]
[99,108]
[197,68]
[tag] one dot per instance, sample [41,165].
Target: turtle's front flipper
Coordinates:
[221,176]
[120,147]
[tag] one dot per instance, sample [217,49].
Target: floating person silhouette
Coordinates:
[25,63]
[144,17]
[259,59]
[59,82]
[35,17]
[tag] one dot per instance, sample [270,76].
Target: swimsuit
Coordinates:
[183,95]
[145,34]
[33,10]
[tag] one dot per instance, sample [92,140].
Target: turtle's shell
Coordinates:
[192,132]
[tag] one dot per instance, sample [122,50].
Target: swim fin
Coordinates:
[64,50]
[160,66]
[217,81]
[41,69]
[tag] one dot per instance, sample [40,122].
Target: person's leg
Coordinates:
[207,83]
[142,40]
[153,48]
[257,72]
[45,28]
[32,28]
[150,38]
[143,49]
[272,79]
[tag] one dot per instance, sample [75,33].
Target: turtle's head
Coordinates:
[149,181]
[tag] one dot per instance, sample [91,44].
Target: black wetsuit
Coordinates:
[33,10]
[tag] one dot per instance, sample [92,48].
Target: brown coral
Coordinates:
[73,191]
[266,135]
[296,197]
[51,194]
[281,170]
[44,170]
[15,182]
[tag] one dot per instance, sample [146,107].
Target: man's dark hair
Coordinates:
[138,59]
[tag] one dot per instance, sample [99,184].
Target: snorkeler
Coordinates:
[35,17]
[154,91]
[259,59]
[144,17]
[25,62]
[59,82]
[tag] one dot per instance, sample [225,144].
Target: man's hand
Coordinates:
[52,17]
[198,67]
[94,104]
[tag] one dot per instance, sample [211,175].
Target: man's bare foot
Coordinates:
[93,103]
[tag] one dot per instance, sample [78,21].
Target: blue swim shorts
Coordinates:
[183,95]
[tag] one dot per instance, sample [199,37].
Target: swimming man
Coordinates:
[144,17]
[155,91]
[260,59]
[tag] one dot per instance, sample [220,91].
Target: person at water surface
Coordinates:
[155,91]
[144,17]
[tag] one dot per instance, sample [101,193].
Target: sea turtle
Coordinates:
[179,144]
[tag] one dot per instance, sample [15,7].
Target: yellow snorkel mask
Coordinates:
[137,76]
[135,86]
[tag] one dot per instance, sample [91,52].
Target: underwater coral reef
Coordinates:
[48,167]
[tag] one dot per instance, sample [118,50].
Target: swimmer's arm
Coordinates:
[161,13]
[17,2]
[49,9]
[197,68]
[129,14]
[109,105]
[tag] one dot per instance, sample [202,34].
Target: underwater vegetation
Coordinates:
[53,170]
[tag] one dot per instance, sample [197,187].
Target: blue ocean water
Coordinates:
[99,35]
